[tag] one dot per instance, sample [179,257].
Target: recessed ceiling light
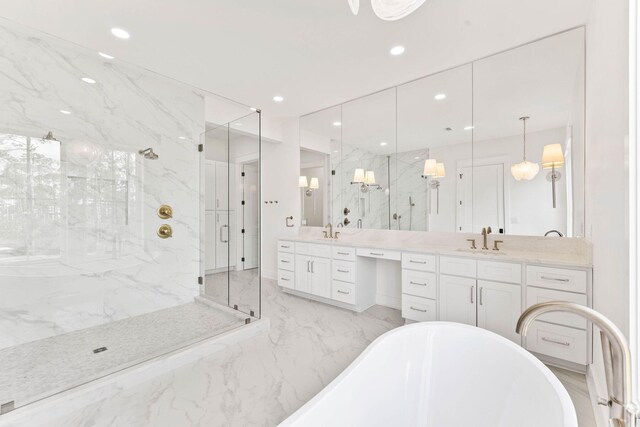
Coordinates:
[88,80]
[278,98]
[104,55]
[397,50]
[335,151]
[417,158]
[65,112]
[337,124]
[182,137]
[440,96]
[120,33]
[468,127]
[383,144]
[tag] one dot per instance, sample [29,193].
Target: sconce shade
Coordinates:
[552,156]
[370,178]
[430,167]
[524,170]
[314,183]
[302,182]
[440,170]
[358,175]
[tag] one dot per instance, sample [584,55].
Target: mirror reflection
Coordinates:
[496,144]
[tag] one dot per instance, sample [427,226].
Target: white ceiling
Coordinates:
[314,53]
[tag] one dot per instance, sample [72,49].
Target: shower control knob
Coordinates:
[165,231]
[346,211]
[165,212]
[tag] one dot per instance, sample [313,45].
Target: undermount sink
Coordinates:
[480,251]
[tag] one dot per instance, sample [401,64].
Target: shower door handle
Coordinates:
[221,232]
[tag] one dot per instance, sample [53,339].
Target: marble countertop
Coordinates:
[547,258]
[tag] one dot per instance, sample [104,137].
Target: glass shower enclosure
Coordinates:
[130,216]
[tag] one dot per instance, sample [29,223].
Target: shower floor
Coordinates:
[38,369]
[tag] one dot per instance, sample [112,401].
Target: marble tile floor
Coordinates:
[262,380]
[576,385]
[38,369]
[236,287]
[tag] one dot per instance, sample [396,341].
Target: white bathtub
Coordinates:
[441,374]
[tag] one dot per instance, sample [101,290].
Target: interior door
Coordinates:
[499,307]
[210,240]
[250,215]
[488,197]
[321,277]
[464,191]
[222,186]
[303,273]
[457,299]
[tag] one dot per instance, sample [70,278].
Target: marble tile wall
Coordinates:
[78,247]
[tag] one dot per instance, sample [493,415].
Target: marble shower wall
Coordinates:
[78,244]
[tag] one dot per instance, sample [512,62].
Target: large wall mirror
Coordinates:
[495,143]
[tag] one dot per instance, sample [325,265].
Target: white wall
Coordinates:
[280,172]
[607,162]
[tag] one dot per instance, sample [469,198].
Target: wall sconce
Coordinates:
[366,180]
[302,182]
[430,168]
[552,157]
[435,183]
[313,185]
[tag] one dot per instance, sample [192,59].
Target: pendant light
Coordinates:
[524,170]
[392,10]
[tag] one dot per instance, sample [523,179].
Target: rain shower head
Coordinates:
[148,153]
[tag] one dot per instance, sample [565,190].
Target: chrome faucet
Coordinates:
[623,412]
[330,236]
[485,233]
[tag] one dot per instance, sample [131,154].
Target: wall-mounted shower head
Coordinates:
[49,137]
[148,153]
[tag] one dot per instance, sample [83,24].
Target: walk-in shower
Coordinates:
[89,283]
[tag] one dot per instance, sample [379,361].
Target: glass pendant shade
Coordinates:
[370,178]
[552,156]
[302,182]
[392,10]
[314,183]
[430,167]
[358,175]
[354,5]
[525,170]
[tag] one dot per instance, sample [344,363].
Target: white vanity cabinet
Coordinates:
[419,286]
[559,336]
[470,298]
[313,275]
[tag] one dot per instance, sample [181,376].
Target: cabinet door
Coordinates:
[222,186]
[499,306]
[303,274]
[321,277]
[210,185]
[457,299]
[223,236]
[210,240]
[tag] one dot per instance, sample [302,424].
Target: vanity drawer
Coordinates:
[538,295]
[557,278]
[458,266]
[500,271]
[379,253]
[558,341]
[343,292]
[284,246]
[286,278]
[311,249]
[418,309]
[344,271]
[422,262]
[286,261]
[344,253]
[419,283]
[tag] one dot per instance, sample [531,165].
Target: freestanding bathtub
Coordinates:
[441,374]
